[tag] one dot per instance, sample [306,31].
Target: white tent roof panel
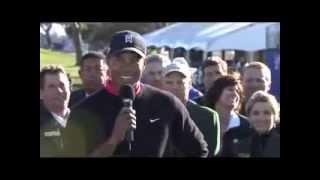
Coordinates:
[249,38]
[211,36]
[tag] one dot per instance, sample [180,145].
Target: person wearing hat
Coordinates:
[193,93]
[158,117]
[177,80]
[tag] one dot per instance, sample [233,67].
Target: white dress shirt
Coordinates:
[234,121]
[61,120]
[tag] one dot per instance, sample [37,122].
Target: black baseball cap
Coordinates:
[128,41]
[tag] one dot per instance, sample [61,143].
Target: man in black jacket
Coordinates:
[234,140]
[93,74]
[160,119]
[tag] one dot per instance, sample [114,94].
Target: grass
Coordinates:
[66,60]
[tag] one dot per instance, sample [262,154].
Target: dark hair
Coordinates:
[214,61]
[94,55]
[179,52]
[50,69]
[196,56]
[216,89]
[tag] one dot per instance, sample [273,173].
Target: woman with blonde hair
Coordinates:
[263,112]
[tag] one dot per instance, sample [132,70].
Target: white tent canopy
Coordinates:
[208,35]
[189,35]
[249,38]
[211,36]
[179,34]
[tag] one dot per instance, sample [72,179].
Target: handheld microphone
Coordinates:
[127,95]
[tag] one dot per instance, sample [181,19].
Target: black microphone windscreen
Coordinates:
[127,92]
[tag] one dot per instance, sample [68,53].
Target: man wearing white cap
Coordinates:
[177,80]
[193,93]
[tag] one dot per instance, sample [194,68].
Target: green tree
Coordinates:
[46,27]
[74,31]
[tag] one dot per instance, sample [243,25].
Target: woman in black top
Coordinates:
[225,97]
[263,110]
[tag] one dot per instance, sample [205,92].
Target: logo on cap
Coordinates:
[128,38]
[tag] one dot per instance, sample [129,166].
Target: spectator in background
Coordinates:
[54,111]
[240,64]
[225,97]
[212,68]
[193,93]
[93,74]
[70,85]
[152,73]
[263,113]
[177,80]
[179,52]
[196,55]
[255,76]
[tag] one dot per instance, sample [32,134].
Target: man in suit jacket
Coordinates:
[93,74]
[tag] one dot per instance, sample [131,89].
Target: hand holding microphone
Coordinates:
[126,119]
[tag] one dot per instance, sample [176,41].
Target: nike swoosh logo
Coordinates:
[154,120]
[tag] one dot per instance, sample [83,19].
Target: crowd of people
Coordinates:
[232,114]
